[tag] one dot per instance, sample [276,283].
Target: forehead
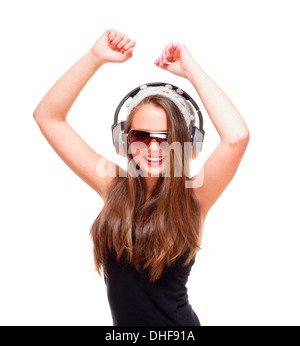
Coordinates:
[150,118]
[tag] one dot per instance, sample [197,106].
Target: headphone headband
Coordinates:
[135,91]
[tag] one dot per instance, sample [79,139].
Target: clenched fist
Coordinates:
[113,46]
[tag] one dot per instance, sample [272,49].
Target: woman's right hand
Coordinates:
[113,46]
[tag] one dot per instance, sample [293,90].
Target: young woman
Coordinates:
[148,233]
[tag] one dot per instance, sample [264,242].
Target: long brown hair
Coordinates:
[167,225]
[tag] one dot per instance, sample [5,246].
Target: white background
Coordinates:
[248,270]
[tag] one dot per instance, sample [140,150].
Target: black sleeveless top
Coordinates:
[134,301]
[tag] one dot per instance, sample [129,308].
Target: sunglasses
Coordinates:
[138,139]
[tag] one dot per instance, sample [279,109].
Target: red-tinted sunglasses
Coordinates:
[137,136]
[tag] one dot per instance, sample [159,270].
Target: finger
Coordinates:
[173,51]
[163,57]
[119,37]
[167,52]
[171,47]
[130,44]
[166,55]
[127,55]
[112,34]
[123,43]
[164,66]
[161,60]
[108,31]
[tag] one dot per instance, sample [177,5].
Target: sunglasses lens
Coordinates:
[141,139]
[138,139]
[164,145]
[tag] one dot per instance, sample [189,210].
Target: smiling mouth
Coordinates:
[154,160]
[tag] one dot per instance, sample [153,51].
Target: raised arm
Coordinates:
[51,113]
[222,164]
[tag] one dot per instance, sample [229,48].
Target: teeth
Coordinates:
[154,160]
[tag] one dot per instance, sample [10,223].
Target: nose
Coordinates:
[153,145]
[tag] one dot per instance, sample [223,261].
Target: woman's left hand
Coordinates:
[176,59]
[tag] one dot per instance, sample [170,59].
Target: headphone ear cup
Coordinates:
[119,138]
[197,138]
